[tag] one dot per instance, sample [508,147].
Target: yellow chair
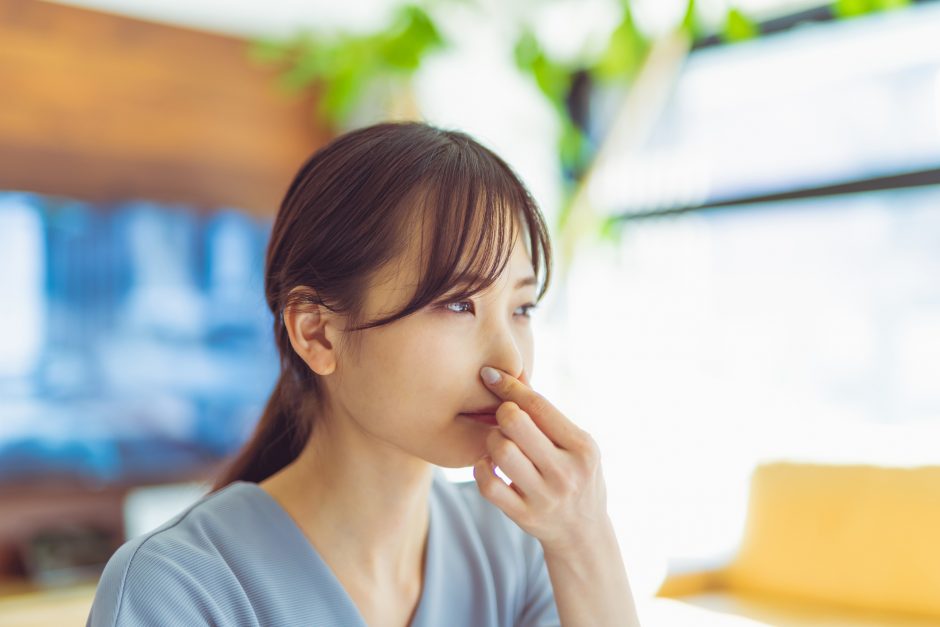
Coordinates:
[830,545]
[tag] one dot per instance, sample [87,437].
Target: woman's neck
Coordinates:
[362,504]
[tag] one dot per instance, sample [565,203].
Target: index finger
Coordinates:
[546,416]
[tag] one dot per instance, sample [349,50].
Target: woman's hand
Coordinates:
[557,494]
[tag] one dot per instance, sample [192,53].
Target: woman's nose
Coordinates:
[508,355]
[524,376]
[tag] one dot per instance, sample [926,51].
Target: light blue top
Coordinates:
[236,557]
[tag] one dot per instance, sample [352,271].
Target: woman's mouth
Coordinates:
[489,419]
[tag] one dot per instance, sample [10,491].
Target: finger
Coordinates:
[546,416]
[495,490]
[518,426]
[513,462]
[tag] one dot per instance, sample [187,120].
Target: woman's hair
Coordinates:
[351,209]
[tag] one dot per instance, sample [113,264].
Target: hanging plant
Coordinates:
[352,70]
[345,67]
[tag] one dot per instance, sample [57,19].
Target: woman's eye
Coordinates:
[528,307]
[458,302]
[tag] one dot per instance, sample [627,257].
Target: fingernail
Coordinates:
[490,375]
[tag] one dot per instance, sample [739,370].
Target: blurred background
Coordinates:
[745,203]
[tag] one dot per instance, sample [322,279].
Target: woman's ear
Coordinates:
[311,328]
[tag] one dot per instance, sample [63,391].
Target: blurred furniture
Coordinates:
[105,109]
[24,606]
[45,512]
[101,107]
[830,545]
[60,533]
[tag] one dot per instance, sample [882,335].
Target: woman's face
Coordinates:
[414,377]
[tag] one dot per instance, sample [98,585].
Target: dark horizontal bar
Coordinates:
[775,25]
[919,178]
[783,23]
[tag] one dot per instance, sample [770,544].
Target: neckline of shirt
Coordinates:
[429,576]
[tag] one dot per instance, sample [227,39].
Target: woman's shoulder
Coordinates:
[190,558]
[202,527]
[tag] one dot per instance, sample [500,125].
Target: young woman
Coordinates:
[401,271]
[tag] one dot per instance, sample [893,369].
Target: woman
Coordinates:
[403,260]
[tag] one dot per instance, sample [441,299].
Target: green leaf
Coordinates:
[888,5]
[526,51]
[625,51]
[851,8]
[552,78]
[344,63]
[411,36]
[269,51]
[339,96]
[573,145]
[611,229]
[307,68]
[739,27]
[692,23]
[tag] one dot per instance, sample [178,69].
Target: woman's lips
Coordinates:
[489,419]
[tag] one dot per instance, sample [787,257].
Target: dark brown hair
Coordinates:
[351,209]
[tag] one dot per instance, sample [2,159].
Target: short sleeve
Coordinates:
[539,609]
[140,587]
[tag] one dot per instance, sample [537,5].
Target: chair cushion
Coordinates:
[862,536]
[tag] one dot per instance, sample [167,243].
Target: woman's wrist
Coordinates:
[586,539]
[590,580]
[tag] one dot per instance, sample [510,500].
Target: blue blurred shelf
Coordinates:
[138,340]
